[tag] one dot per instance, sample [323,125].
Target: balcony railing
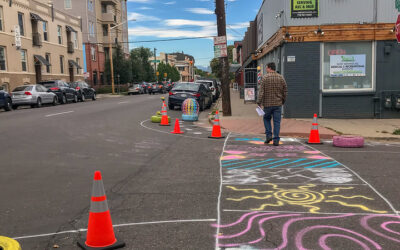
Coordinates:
[71,47]
[36,39]
[108,17]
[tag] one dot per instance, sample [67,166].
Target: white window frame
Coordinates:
[78,61]
[373,73]
[90,5]
[1,18]
[26,60]
[66,3]
[45,27]
[93,53]
[59,34]
[75,39]
[5,58]
[22,31]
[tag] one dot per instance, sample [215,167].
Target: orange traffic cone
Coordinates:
[177,129]
[216,131]
[100,233]
[314,134]
[164,117]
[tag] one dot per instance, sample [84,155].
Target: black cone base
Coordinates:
[116,245]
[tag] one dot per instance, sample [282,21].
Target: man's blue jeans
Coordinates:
[275,113]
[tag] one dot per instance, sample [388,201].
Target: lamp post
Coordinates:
[110,52]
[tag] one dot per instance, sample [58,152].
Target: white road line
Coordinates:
[123,102]
[376,191]
[119,225]
[220,192]
[297,212]
[62,113]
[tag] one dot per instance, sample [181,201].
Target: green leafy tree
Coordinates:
[216,67]
[171,71]
[140,66]
[121,67]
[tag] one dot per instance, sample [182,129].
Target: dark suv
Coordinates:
[5,100]
[63,91]
[83,90]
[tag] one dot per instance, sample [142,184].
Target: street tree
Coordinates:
[216,67]
[121,67]
[140,66]
[171,71]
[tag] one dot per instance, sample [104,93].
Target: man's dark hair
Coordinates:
[272,66]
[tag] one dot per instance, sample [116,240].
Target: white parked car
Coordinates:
[33,95]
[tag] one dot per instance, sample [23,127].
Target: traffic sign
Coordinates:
[398,29]
[220,50]
[165,74]
[218,40]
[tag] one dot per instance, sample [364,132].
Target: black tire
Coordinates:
[63,99]
[55,101]
[94,97]
[15,107]
[38,103]
[83,98]
[8,105]
[75,98]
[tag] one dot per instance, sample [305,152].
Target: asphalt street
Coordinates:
[187,191]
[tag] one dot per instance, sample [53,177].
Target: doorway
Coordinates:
[71,74]
[38,71]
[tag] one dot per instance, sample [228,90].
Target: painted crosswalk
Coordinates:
[279,163]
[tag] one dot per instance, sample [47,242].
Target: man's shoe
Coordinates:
[276,143]
[269,139]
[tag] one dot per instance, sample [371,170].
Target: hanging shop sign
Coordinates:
[304,8]
[347,65]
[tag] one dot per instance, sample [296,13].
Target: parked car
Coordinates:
[184,90]
[168,86]
[5,100]
[160,88]
[213,85]
[144,86]
[33,95]
[63,91]
[83,90]
[136,89]
[151,88]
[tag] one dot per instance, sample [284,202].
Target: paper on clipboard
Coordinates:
[260,112]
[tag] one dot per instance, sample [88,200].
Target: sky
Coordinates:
[170,19]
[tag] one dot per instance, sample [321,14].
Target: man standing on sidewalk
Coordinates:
[272,95]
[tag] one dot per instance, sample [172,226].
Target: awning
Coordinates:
[72,63]
[234,67]
[69,28]
[36,17]
[41,59]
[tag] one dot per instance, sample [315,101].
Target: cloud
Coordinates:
[141,18]
[171,33]
[239,25]
[203,0]
[170,3]
[202,11]
[145,8]
[140,1]
[186,22]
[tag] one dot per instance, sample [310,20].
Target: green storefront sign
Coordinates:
[304,8]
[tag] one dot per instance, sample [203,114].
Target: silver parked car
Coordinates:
[33,95]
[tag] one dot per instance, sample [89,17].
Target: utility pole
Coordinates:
[111,60]
[226,95]
[155,63]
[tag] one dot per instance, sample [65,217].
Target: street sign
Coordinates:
[155,61]
[398,29]
[218,40]
[17,34]
[220,50]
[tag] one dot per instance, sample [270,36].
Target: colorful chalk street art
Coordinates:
[294,197]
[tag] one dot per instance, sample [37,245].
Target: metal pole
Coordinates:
[111,59]
[155,63]
[226,95]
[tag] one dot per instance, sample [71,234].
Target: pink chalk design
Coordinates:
[256,142]
[322,241]
[232,157]
[319,157]
[231,152]
[364,223]
[312,152]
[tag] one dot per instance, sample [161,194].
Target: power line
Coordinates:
[167,40]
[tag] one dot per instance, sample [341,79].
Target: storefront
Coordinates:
[334,64]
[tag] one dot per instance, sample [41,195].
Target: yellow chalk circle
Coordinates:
[9,244]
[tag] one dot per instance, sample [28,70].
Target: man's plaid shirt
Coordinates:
[273,90]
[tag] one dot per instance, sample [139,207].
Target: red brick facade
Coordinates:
[95,66]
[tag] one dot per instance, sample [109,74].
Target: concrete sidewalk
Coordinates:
[244,120]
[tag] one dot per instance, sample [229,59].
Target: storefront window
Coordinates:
[348,67]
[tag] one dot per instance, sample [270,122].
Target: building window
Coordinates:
[1,18]
[105,30]
[59,34]
[101,78]
[91,29]
[103,8]
[2,58]
[94,78]
[67,4]
[48,69]
[45,31]
[93,53]
[348,67]
[23,60]
[78,61]
[21,23]
[90,5]
[62,64]
[75,39]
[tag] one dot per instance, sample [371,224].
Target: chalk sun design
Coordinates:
[302,196]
